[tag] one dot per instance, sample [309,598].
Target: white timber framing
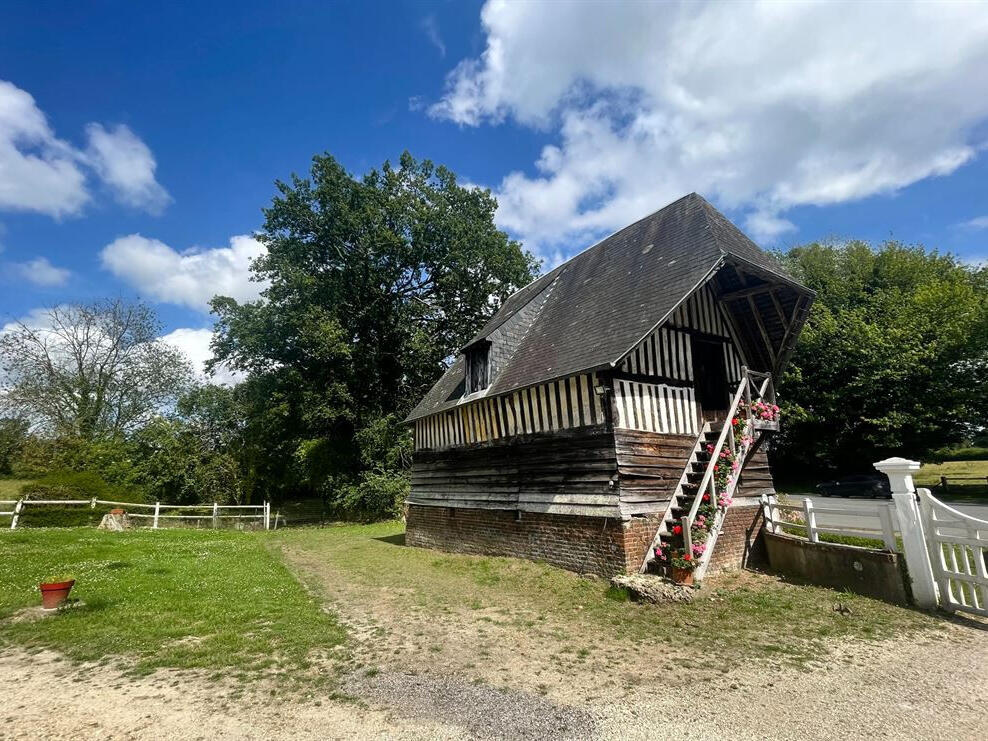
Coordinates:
[563,404]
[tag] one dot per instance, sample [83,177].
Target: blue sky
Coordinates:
[139,140]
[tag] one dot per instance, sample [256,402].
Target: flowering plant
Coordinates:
[727,463]
[765,412]
[680,560]
[740,424]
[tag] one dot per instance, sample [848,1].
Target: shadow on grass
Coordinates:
[396,539]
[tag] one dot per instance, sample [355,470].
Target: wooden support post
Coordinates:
[17,514]
[157,511]
[943,483]
[687,537]
[778,308]
[757,315]
[216,515]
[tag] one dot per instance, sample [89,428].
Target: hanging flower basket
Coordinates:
[765,416]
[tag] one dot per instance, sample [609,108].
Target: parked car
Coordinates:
[871,485]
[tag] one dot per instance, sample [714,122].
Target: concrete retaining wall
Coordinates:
[872,573]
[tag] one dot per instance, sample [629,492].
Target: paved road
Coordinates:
[864,505]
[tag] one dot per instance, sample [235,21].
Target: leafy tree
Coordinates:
[893,359]
[90,370]
[175,464]
[13,438]
[373,284]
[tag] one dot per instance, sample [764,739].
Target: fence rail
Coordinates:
[262,511]
[777,522]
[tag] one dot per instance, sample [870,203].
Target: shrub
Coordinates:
[378,495]
[960,454]
[69,485]
[74,485]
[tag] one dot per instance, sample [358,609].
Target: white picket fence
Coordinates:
[946,551]
[214,513]
[776,521]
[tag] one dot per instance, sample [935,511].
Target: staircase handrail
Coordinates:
[708,474]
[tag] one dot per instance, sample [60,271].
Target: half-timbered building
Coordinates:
[583,424]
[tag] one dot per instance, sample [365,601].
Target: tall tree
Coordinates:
[893,359]
[90,370]
[373,284]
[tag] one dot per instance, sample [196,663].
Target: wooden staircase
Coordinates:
[695,513]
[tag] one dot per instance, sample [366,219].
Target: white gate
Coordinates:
[958,547]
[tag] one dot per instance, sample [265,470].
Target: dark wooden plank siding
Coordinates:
[756,475]
[649,468]
[566,472]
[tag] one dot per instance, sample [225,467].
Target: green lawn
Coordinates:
[11,488]
[166,598]
[737,618]
[967,488]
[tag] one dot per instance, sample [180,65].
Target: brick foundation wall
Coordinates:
[595,545]
[739,544]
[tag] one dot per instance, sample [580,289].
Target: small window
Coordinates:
[478,367]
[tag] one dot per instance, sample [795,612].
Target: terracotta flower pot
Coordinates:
[682,576]
[54,594]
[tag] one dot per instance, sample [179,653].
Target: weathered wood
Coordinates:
[569,473]
[747,292]
[650,466]
[757,315]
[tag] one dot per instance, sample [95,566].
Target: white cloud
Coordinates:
[980,222]
[761,106]
[195,344]
[125,163]
[43,173]
[40,272]
[189,278]
[38,172]
[431,29]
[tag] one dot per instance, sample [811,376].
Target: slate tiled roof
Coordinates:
[605,299]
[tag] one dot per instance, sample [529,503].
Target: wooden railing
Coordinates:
[800,520]
[212,512]
[754,387]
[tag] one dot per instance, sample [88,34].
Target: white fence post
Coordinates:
[767,517]
[810,517]
[267,515]
[17,513]
[216,515]
[888,526]
[157,510]
[899,472]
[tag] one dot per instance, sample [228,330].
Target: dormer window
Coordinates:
[478,368]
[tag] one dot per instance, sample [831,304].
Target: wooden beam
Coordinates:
[797,320]
[747,292]
[778,308]
[772,356]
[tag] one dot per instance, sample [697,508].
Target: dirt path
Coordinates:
[884,691]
